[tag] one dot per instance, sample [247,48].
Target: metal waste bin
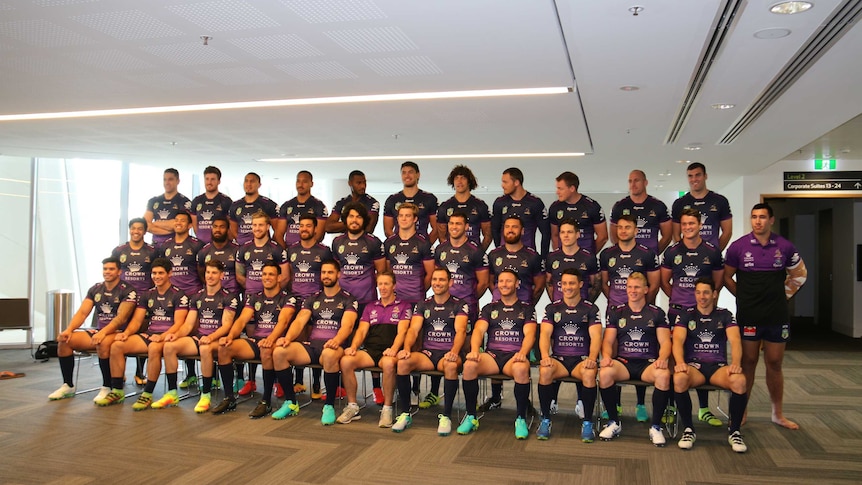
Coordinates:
[59,312]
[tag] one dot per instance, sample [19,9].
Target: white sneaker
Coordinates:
[444,427]
[687,440]
[555,407]
[65,391]
[414,399]
[656,436]
[350,413]
[735,440]
[403,422]
[103,391]
[385,418]
[611,431]
[579,409]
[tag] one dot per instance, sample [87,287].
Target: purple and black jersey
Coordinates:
[706,336]
[165,210]
[205,210]
[383,322]
[438,322]
[135,265]
[305,265]
[327,312]
[210,309]
[477,213]
[649,215]
[506,324]
[525,261]
[714,208]
[583,260]
[369,202]
[425,201]
[241,212]
[357,259]
[227,255]
[184,258]
[252,258]
[463,262]
[687,265]
[586,213]
[571,337]
[107,302]
[620,264]
[636,331]
[266,311]
[293,209]
[160,308]
[760,275]
[407,259]
[531,211]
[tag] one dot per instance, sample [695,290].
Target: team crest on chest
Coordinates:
[622,323]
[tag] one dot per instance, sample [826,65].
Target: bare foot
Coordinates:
[782,421]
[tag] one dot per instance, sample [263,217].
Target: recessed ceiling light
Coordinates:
[723,106]
[692,148]
[774,33]
[426,157]
[683,161]
[790,8]
[629,88]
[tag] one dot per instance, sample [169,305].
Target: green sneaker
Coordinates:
[669,415]
[431,399]
[143,402]
[521,430]
[619,412]
[328,417]
[469,424]
[288,408]
[641,413]
[169,400]
[238,384]
[116,396]
[216,382]
[190,381]
[705,415]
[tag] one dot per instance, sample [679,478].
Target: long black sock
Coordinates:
[206,384]
[588,396]
[497,391]
[105,367]
[435,385]
[450,390]
[522,399]
[471,395]
[659,399]
[67,368]
[226,373]
[252,371]
[640,391]
[117,383]
[555,387]
[191,369]
[738,402]
[610,396]
[580,388]
[239,371]
[416,381]
[703,398]
[298,376]
[403,384]
[139,366]
[546,394]
[330,380]
[683,408]
[284,377]
[268,382]
[172,381]
[151,386]
[375,380]
[315,377]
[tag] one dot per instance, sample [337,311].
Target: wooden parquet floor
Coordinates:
[73,442]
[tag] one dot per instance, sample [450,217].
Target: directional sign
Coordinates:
[818,181]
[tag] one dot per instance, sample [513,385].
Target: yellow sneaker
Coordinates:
[167,401]
[203,404]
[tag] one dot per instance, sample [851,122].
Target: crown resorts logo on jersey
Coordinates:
[439,324]
[690,270]
[401,258]
[706,336]
[351,258]
[636,334]
[164,214]
[159,312]
[641,222]
[207,313]
[624,272]
[507,324]
[303,266]
[257,265]
[692,324]
[266,317]
[571,328]
[246,218]
[621,323]
[453,267]
[326,314]
[206,215]
[177,260]
[106,308]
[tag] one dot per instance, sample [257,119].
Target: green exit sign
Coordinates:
[824,164]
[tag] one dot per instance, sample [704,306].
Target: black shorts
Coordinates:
[673,312]
[501,357]
[314,349]
[252,342]
[778,334]
[146,337]
[375,353]
[435,356]
[636,367]
[708,369]
[570,362]
[91,331]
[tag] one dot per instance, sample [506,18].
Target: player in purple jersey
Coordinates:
[409,256]
[570,255]
[701,337]
[641,336]
[653,221]
[161,209]
[587,213]
[287,225]
[426,223]
[242,210]
[330,314]
[714,209]
[510,325]
[220,249]
[569,342]
[135,257]
[265,318]
[182,251]
[516,201]
[769,271]
[359,254]
[624,258]
[524,261]
[439,329]
[211,315]
[356,182]
[466,262]
[209,206]
[478,215]
[252,256]
[116,301]
[378,338]
[161,310]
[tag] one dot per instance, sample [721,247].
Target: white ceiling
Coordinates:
[68,55]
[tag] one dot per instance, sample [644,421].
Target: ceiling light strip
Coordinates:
[424,157]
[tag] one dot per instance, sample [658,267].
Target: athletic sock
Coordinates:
[683,407]
[703,398]
[117,383]
[640,391]
[105,367]
[315,377]
[610,397]
[522,397]
[450,389]
[151,386]
[659,400]
[375,380]
[403,383]
[738,402]
[588,396]
[268,382]
[330,380]
[555,386]
[191,370]
[252,371]
[299,377]
[416,381]
[67,368]
[471,394]
[435,385]
[206,384]
[226,373]
[546,394]
[284,377]
[239,370]
[172,380]
[497,391]
[579,386]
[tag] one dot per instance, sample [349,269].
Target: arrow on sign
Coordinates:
[858,185]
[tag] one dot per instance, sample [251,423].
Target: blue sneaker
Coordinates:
[521,430]
[587,433]
[469,424]
[328,417]
[544,431]
[641,413]
[288,408]
[238,384]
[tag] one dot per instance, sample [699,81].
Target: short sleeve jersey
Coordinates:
[293,209]
[184,259]
[266,310]
[620,264]
[407,259]
[649,216]
[586,212]
[166,209]
[706,335]
[227,255]
[636,331]
[571,336]
[383,321]
[253,258]
[583,260]
[531,211]
[425,201]
[210,309]
[160,308]
[241,212]
[135,265]
[305,265]
[525,261]
[687,265]
[369,202]
[760,274]
[506,324]
[327,312]
[714,208]
[206,209]
[477,214]
[438,322]
[357,259]
[463,262]
[107,302]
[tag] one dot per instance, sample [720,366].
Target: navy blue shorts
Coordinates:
[636,367]
[778,334]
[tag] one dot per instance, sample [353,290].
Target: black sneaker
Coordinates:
[490,403]
[262,409]
[226,405]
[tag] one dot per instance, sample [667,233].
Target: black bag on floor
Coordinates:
[45,350]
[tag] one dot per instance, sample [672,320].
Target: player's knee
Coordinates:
[680,382]
[662,380]
[737,384]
